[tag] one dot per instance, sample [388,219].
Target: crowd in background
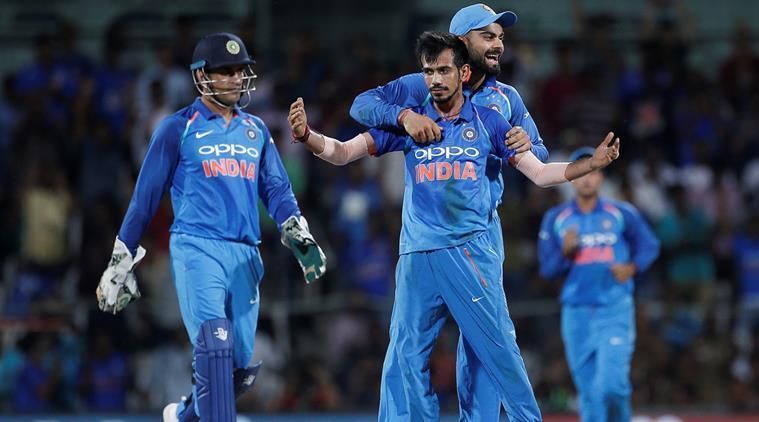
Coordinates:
[74,128]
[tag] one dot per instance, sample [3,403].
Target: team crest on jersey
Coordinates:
[251,133]
[495,107]
[469,134]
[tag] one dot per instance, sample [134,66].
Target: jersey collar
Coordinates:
[598,207]
[207,113]
[489,81]
[467,111]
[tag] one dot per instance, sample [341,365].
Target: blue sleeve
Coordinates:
[387,141]
[154,179]
[552,263]
[274,187]
[644,246]
[497,126]
[380,107]
[521,117]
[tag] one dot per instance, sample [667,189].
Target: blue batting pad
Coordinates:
[244,378]
[214,391]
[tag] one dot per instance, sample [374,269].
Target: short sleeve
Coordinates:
[387,141]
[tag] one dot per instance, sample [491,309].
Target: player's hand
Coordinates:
[570,244]
[300,241]
[297,118]
[623,272]
[423,129]
[518,140]
[118,285]
[605,153]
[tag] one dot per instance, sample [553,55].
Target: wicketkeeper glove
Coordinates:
[300,241]
[118,285]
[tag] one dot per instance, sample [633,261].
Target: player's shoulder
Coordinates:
[412,78]
[509,92]
[563,207]
[620,209]
[486,112]
[621,205]
[175,123]
[488,115]
[180,117]
[253,119]
[506,89]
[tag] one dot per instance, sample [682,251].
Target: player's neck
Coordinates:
[476,79]
[587,203]
[452,107]
[226,112]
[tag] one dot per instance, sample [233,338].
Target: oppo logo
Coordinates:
[598,239]
[231,149]
[427,154]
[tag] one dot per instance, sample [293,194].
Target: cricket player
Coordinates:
[217,161]
[448,261]
[390,105]
[599,245]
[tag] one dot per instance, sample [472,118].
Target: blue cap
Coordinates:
[581,153]
[479,16]
[220,50]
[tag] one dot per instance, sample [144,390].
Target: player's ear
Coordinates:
[466,72]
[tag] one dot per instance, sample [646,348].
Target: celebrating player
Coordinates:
[217,161]
[448,259]
[598,244]
[391,105]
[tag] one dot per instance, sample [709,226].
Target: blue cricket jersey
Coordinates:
[216,173]
[379,107]
[613,232]
[446,200]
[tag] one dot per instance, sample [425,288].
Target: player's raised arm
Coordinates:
[555,173]
[325,147]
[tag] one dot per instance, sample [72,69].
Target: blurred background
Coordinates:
[85,82]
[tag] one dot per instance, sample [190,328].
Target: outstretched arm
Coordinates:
[324,147]
[551,174]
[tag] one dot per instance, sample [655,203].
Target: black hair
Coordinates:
[430,44]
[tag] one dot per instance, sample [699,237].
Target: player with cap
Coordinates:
[598,245]
[217,161]
[447,260]
[391,105]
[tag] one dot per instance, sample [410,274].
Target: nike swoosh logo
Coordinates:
[253,301]
[477,299]
[199,135]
